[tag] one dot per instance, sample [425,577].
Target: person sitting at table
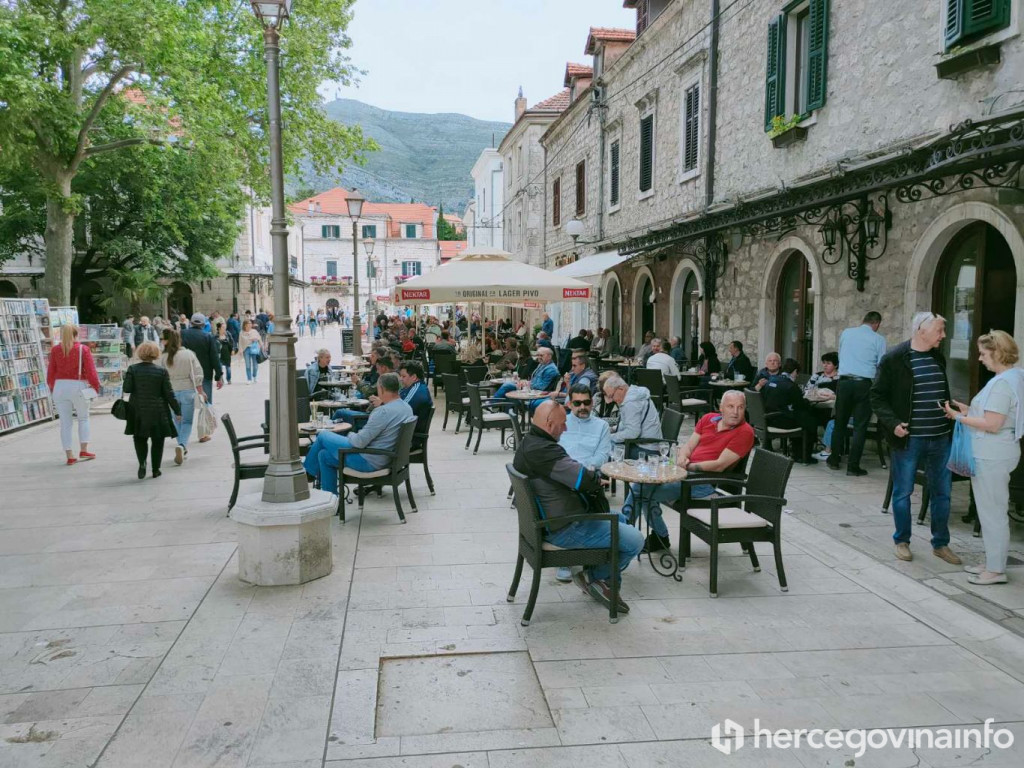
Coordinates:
[784,402]
[415,393]
[445,344]
[646,350]
[708,362]
[718,443]
[828,377]
[358,418]
[510,359]
[381,431]
[579,341]
[611,346]
[638,418]
[597,346]
[543,341]
[562,486]
[772,366]
[739,363]
[317,373]
[580,373]
[677,351]
[661,360]
[544,379]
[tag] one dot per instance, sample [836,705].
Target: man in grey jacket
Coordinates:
[637,415]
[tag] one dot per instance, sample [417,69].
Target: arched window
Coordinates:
[643,317]
[179,300]
[689,312]
[8,290]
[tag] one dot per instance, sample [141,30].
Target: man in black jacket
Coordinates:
[784,400]
[560,485]
[907,397]
[207,350]
[740,363]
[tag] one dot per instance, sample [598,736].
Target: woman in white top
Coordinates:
[187,384]
[996,419]
[251,343]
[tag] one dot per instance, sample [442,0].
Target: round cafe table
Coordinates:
[522,399]
[311,429]
[648,478]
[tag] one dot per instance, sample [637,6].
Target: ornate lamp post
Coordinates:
[371,301]
[355,209]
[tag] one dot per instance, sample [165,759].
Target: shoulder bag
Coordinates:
[88,393]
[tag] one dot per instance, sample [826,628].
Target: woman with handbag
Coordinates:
[71,376]
[996,421]
[151,403]
[251,344]
[187,384]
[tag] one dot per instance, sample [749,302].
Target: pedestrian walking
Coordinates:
[128,335]
[312,324]
[300,323]
[150,405]
[205,348]
[251,344]
[860,351]
[227,348]
[995,418]
[187,384]
[321,319]
[145,331]
[908,396]
[70,371]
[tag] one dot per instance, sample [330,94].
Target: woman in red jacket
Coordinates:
[71,370]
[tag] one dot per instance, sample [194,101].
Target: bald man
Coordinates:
[544,379]
[561,487]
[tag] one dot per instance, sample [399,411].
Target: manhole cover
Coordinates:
[460,693]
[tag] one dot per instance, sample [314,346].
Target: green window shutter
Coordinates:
[614,197]
[775,71]
[647,153]
[817,54]
[985,15]
[954,22]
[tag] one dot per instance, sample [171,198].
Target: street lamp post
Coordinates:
[285,480]
[355,209]
[371,302]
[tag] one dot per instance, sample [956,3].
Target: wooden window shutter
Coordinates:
[556,202]
[614,172]
[954,21]
[691,143]
[641,16]
[966,19]
[646,153]
[817,54]
[581,187]
[775,71]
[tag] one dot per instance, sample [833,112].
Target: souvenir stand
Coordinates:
[25,341]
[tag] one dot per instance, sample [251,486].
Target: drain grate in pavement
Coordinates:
[459,693]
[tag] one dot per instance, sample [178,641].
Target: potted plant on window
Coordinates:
[785,132]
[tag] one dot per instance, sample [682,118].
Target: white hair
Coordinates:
[733,393]
[615,382]
[921,319]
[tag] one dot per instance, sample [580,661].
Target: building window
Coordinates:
[332,268]
[647,153]
[641,16]
[369,230]
[330,231]
[613,172]
[556,202]
[967,20]
[410,231]
[519,160]
[410,268]
[690,140]
[797,61]
[581,187]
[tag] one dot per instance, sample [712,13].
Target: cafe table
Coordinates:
[522,399]
[648,477]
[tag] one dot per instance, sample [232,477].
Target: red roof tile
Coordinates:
[451,248]
[576,70]
[608,34]
[556,103]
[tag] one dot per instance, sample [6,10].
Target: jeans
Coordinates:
[662,494]
[356,418]
[322,460]
[251,365]
[852,399]
[933,452]
[208,390]
[595,534]
[186,399]
[504,389]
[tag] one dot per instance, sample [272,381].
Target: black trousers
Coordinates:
[156,450]
[852,399]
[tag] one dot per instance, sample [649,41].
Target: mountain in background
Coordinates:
[426,158]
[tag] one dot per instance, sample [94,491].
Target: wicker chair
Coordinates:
[487,414]
[444,362]
[766,434]
[653,379]
[394,474]
[541,554]
[244,470]
[454,400]
[418,453]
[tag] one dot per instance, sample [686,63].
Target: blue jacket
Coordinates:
[312,376]
[418,398]
[545,378]
[548,326]
[234,329]
[588,441]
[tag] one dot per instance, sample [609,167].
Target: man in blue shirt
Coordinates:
[548,325]
[415,393]
[544,379]
[581,373]
[861,348]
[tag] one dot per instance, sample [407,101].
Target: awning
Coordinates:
[592,266]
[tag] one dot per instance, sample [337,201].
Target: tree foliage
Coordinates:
[445,229]
[92,91]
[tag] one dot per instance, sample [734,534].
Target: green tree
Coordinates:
[196,73]
[445,229]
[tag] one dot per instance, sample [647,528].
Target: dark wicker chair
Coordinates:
[418,452]
[723,520]
[244,470]
[766,434]
[653,379]
[540,554]
[488,413]
[454,400]
[474,374]
[396,473]
[444,362]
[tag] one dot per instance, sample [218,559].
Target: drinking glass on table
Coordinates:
[663,449]
[618,453]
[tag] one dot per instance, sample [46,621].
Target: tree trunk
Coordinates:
[59,238]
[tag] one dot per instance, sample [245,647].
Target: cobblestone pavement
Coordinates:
[126,639]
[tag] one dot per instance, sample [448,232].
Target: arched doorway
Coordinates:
[613,309]
[794,316]
[689,313]
[643,308]
[8,290]
[179,300]
[333,304]
[975,290]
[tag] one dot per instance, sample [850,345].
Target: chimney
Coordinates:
[520,103]
[310,207]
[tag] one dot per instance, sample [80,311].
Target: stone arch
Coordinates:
[684,269]
[8,290]
[611,296]
[637,335]
[932,244]
[769,299]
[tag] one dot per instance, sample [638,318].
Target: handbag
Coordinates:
[961,455]
[120,409]
[88,393]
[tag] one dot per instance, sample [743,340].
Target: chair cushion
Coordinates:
[497,417]
[465,401]
[783,431]
[693,401]
[548,546]
[729,517]
[375,473]
[415,451]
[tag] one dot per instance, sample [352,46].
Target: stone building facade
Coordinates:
[806,162]
[488,198]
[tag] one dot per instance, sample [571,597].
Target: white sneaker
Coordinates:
[179,453]
[564,574]
[975,569]
[823,456]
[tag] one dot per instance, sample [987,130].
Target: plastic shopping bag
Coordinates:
[961,456]
[205,418]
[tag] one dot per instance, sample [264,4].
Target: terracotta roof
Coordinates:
[576,70]
[451,248]
[608,34]
[453,218]
[556,103]
[333,202]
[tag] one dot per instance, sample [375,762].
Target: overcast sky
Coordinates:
[469,56]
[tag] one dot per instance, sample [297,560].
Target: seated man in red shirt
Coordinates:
[718,443]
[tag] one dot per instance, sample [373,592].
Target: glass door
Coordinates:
[794,331]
